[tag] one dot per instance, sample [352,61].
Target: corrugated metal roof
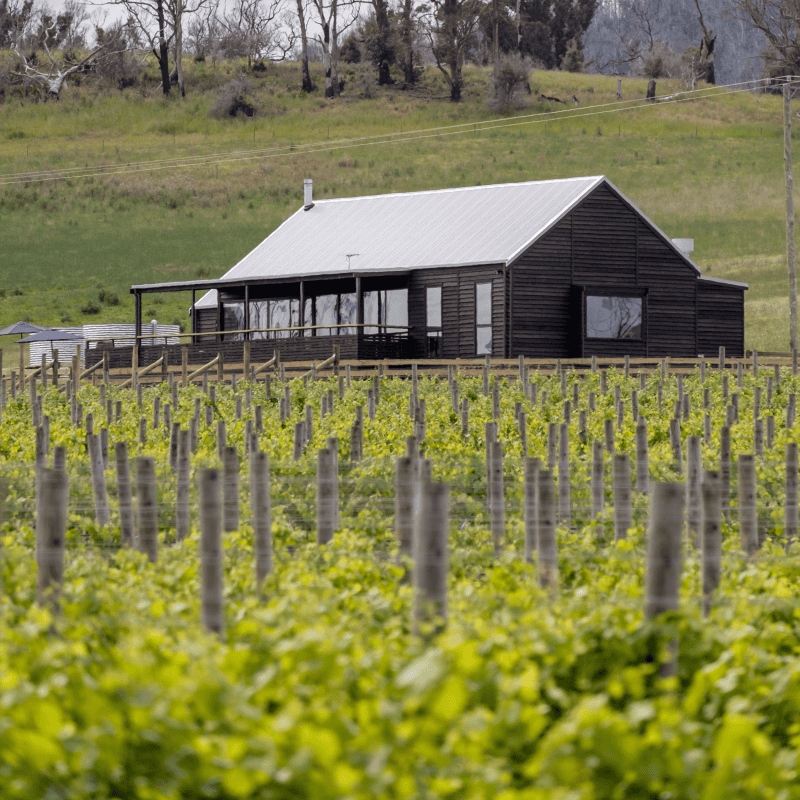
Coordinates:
[412,230]
[418,230]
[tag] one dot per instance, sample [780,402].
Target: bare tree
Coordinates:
[51,77]
[450,26]
[258,29]
[160,23]
[779,22]
[333,24]
[705,65]
[302,10]
[204,34]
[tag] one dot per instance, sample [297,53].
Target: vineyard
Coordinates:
[310,653]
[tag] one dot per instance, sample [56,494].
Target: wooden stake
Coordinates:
[260,513]
[127,528]
[748,512]
[694,469]
[404,498]
[147,506]
[212,602]
[431,557]
[623,511]
[182,511]
[712,537]
[532,467]
[230,489]
[664,557]
[547,551]
[51,526]
[326,480]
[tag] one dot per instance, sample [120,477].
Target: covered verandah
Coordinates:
[365,315]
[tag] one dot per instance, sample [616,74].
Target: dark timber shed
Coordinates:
[561,268]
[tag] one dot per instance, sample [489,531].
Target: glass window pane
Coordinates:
[370,311]
[259,317]
[326,313]
[484,340]
[433,304]
[348,312]
[396,308]
[279,317]
[308,319]
[613,317]
[483,303]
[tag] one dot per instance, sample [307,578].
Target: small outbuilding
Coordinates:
[562,268]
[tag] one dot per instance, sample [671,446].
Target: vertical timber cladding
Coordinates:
[458,308]
[602,243]
[543,318]
[671,298]
[604,258]
[720,319]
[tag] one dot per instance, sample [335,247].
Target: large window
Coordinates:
[483,318]
[386,308]
[613,317]
[433,320]
[272,314]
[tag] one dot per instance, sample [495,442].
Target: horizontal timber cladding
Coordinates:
[458,309]
[720,319]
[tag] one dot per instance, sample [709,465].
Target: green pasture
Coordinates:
[710,168]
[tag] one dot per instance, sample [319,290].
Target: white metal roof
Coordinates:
[415,230]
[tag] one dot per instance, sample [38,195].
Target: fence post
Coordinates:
[712,537]
[184,365]
[748,513]
[147,506]
[51,525]
[212,603]
[532,467]
[126,523]
[260,513]
[431,556]
[623,512]
[546,531]
[326,480]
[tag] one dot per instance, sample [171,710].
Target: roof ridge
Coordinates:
[385,195]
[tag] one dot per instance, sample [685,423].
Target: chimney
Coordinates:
[308,194]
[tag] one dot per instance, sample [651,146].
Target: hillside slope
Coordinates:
[708,167]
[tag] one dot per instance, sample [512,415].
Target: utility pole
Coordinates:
[790,252]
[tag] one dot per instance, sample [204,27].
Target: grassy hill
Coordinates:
[710,168]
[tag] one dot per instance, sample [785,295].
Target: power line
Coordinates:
[392,137]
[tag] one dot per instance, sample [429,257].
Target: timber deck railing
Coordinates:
[160,370]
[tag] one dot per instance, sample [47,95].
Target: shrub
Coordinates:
[235,99]
[90,307]
[109,298]
[512,86]
[17,293]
